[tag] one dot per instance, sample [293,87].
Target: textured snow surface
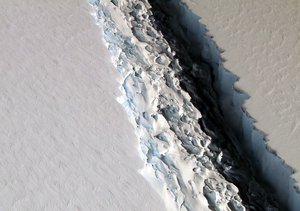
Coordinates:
[261,42]
[66,143]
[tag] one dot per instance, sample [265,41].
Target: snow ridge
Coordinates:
[178,160]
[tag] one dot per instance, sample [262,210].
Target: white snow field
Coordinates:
[66,143]
[261,43]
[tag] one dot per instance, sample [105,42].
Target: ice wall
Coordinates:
[251,142]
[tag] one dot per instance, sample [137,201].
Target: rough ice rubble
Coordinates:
[175,150]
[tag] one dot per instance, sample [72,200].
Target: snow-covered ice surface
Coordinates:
[66,143]
[189,157]
[261,44]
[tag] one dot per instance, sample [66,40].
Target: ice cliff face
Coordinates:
[234,119]
[187,156]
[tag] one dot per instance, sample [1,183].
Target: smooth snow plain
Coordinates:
[260,43]
[66,143]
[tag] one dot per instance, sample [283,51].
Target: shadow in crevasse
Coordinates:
[263,179]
